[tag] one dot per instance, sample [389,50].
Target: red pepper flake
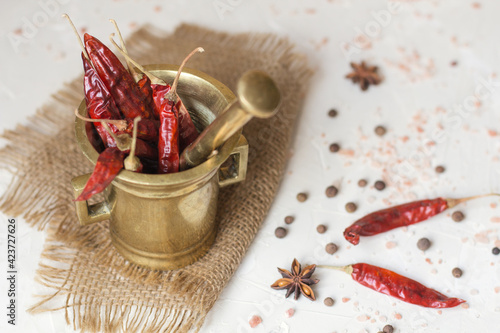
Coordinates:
[255,321]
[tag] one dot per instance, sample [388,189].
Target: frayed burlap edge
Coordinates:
[99,290]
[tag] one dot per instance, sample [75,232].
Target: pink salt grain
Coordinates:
[390,245]
[398,316]
[481,237]
[347,152]
[363,318]
[255,321]
[497,289]
[495,219]
[289,313]
[464,305]
[345,299]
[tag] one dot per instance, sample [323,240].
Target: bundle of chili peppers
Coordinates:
[115,97]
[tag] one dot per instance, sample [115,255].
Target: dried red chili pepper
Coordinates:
[122,139]
[127,95]
[94,137]
[143,149]
[399,216]
[145,86]
[168,144]
[100,104]
[108,165]
[387,282]
[159,92]
[146,129]
[187,130]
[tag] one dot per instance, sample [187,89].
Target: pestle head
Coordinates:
[258,94]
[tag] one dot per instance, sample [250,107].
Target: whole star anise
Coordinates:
[364,74]
[297,281]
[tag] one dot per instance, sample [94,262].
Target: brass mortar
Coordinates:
[167,221]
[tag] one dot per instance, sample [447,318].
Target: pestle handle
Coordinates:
[258,96]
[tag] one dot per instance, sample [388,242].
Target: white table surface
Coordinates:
[424,102]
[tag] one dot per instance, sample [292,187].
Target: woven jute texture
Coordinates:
[90,281]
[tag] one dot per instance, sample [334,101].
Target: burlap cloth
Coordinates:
[97,288]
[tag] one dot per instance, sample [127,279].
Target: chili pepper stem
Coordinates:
[132,162]
[119,123]
[453,202]
[130,66]
[123,141]
[172,94]
[66,16]
[154,79]
[346,269]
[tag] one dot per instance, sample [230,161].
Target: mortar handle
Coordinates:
[88,214]
[258,96]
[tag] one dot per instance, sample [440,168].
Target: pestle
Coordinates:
[258,96]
